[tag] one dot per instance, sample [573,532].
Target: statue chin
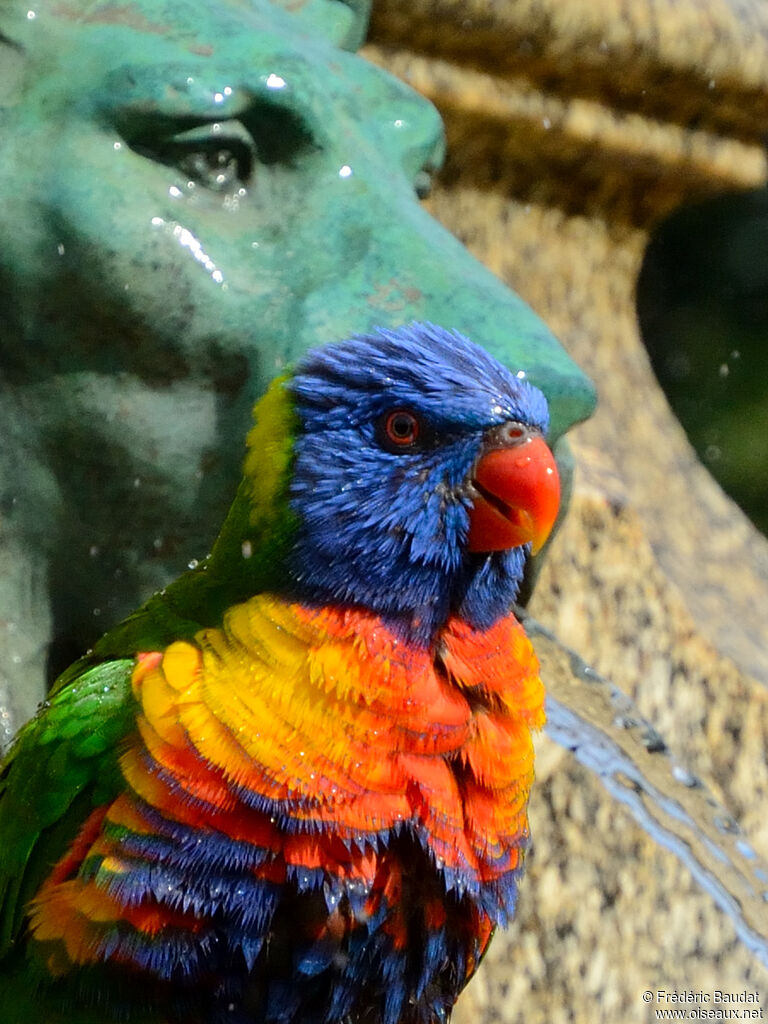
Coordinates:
[195,193]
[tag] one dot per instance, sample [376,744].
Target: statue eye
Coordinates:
[219,167]
[400,430]
[218,156]
[222,156]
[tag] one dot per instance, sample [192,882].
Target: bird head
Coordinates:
[420,478]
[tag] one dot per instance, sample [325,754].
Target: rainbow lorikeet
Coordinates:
[292,788]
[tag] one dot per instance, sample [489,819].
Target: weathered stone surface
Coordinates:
[680,60]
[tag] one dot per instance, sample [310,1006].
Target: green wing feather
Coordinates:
[62,765]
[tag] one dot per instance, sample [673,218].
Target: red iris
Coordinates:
[401,428]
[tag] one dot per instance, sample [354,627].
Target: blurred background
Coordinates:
[702,300]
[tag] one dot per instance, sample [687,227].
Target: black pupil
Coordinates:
[402,426]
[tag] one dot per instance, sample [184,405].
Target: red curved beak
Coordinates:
[517,495]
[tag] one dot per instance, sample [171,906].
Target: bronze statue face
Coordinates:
[196,192]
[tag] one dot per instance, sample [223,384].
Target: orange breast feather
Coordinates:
[310,735]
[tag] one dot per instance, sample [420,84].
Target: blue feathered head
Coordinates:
[402,439]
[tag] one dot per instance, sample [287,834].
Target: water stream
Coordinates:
[600,725]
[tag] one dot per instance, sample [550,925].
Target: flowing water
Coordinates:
[599,724]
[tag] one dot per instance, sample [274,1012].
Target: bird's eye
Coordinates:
[400,429]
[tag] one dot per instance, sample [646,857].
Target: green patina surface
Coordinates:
[195,193]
